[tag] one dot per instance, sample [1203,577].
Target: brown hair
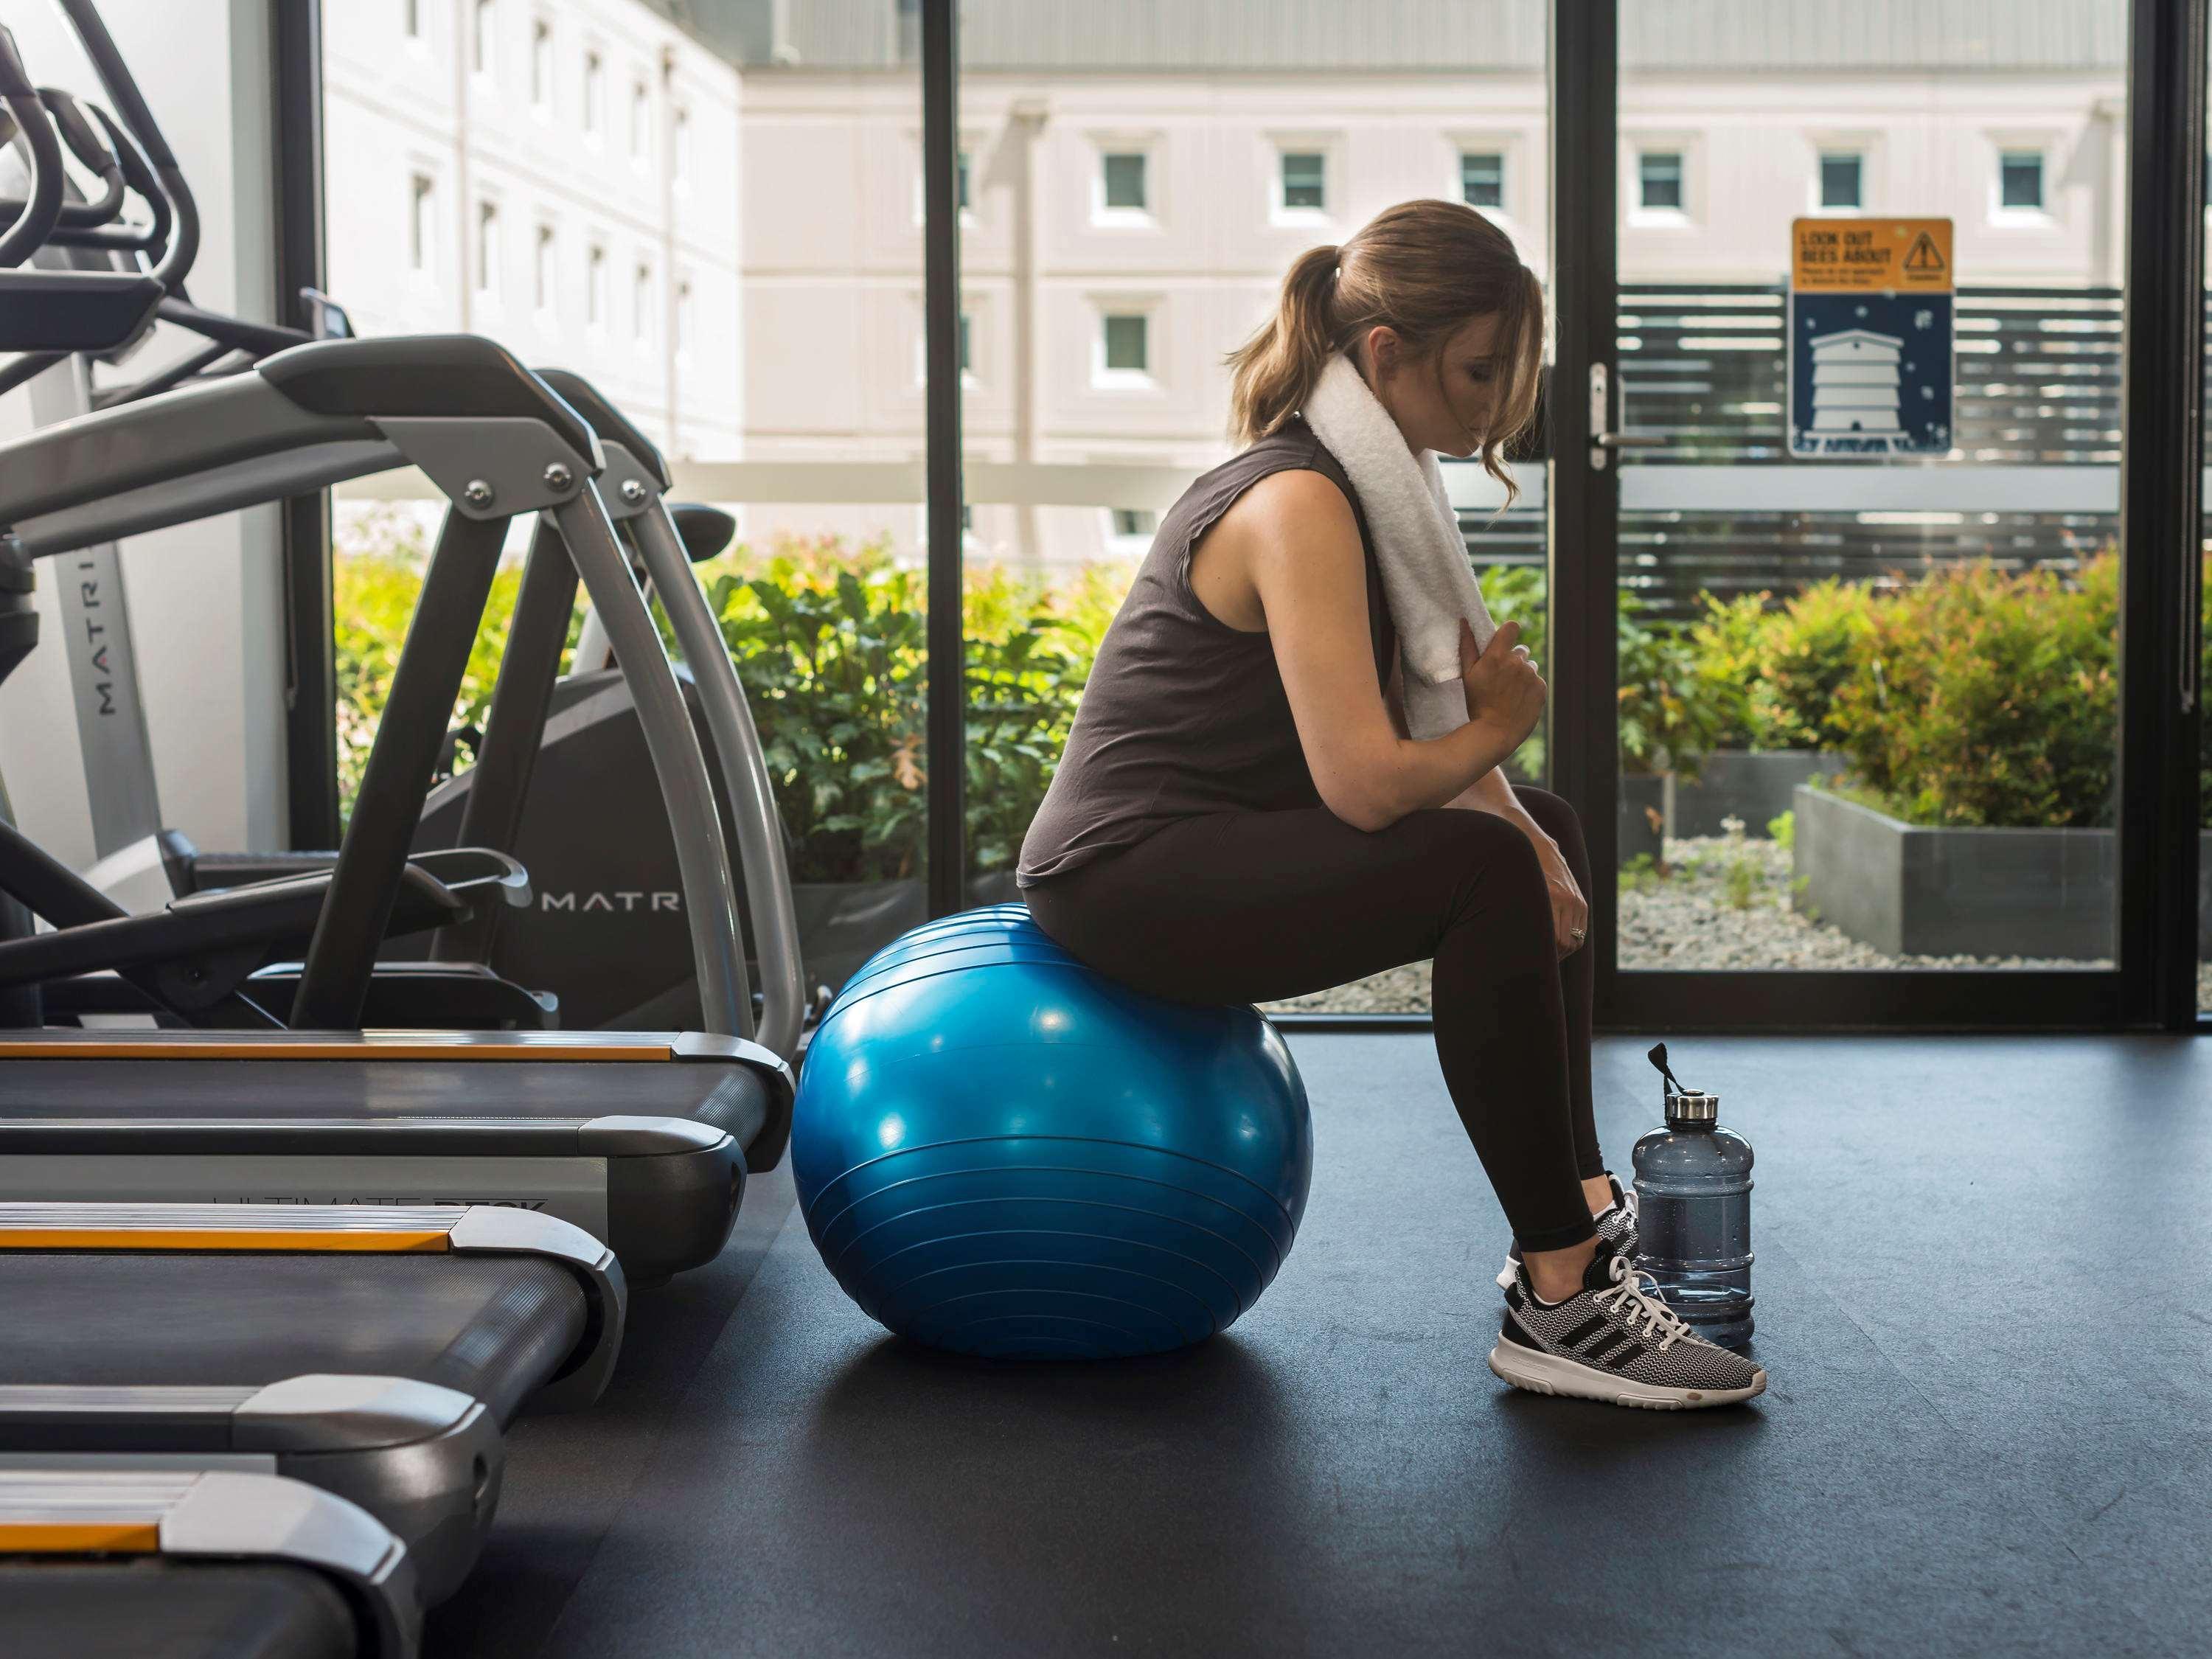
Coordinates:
[1425,269]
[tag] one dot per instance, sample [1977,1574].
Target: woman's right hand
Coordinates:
[1503,690]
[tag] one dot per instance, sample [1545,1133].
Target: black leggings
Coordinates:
[1250,907]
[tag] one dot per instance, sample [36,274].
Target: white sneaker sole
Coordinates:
[1548,1373]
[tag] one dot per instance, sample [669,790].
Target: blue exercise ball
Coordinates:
[1002,1152]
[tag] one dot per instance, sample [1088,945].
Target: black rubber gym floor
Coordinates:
[1984,1288]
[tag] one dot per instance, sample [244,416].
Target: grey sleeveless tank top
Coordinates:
[1184,715]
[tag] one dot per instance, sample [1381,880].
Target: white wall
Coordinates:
[833,256]
[206,599]
[397,107]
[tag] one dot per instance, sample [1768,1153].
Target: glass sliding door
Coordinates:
[1867,343]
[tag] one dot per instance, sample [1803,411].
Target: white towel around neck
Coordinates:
[1426,578]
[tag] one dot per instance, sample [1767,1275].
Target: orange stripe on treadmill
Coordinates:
[79,1537]
[429,1241]
[578,1056]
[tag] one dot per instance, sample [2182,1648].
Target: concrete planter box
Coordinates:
[1908,889]
[842,923]
[1755,786]
[1643,814]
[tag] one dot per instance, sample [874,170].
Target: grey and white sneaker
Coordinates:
[1616,1225]
[1615,1340]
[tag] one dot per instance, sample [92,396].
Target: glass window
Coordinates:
[641,120]
[2020,179]
[967,362]
[1135,521]
[421,222]
[595,93]
[641,303]
[413,9]
[1124,180]
[683,316]
[1659,178]
[487,30]
[1482,177]
[543,276]
[961,183]
[683,160]
[595,289]
[1127,345]
[487,246]
[1304,184]
[541,64]
[1842,178]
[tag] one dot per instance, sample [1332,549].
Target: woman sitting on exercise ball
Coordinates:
[1264,795]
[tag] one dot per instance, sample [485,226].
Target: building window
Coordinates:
[595,93]
[1124,180]
[1126,346]
[1482,177]
[412,10]
[1659,179]
[1304,182]
[641,293]
[683,145]
[960,182]
[544,270]
[1135,521]
[2020,179]
[684,317]
[541,64]
[966,360]
[487,29]
[487,245]
[595,289]
[1843,178]
[641,118]
[421,222]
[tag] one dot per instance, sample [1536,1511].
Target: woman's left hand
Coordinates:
[1569,911]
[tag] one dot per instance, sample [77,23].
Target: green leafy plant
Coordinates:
[376,579]
[832,644]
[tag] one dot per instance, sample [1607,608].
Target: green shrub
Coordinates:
[1982,697]
[376,579]
[832,645]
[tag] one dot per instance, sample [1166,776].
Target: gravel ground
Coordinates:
[1687,921]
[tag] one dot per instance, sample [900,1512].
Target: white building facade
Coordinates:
[1132,202]
[560,175]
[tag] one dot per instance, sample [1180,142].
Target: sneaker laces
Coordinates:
[1629,1299]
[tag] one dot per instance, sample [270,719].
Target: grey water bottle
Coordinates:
[1693,1212]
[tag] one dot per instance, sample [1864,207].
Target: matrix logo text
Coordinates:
[626,901]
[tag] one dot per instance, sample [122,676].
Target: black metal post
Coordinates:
[499,783]
[311,738]
[342,956]
[1584,498]
[947,717]
[2161,535]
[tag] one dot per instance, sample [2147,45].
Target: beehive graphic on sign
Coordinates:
[1855,385]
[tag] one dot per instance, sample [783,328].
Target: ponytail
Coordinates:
[1424,268]
[1276,371]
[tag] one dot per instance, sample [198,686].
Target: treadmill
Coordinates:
[374,1352]
[191,1564]
[643,1139]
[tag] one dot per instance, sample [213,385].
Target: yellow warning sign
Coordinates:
[1870,256]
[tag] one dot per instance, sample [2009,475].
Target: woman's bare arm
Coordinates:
[1294,532]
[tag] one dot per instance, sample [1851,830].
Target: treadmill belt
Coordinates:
[495,1327]
[161,1609]
[731,1096]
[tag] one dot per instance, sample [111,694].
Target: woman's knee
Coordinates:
[1556,817]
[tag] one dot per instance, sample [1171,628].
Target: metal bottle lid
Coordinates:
[1692,1108]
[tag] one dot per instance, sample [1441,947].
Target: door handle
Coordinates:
[1603,438]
